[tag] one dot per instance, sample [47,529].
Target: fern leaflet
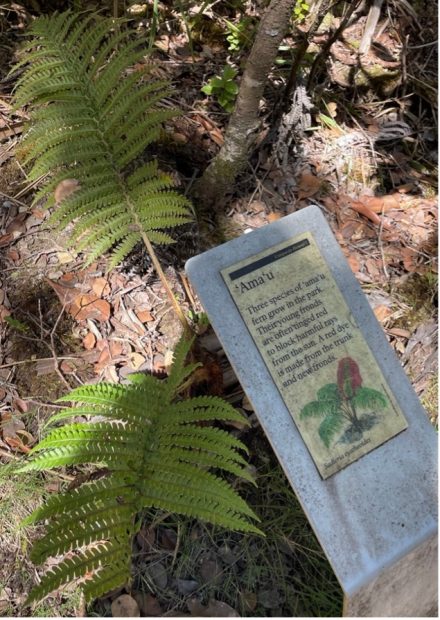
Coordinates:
[93,114]
[155,455]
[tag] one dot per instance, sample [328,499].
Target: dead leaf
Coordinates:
[211,572]
[382,312]
[269,598]
[125,607]
[45,367]
[10,425]
[116,348]
[136,360]
[409,258]
[17,444]
[4,312]
[17,227]
[100,287]
[273,217]
[214,609]
[148,604]
[91,308]
[217,136]
[6,240]
[13,255]
[66,294]
[332,108]
[146,538]
[249,600]
[354,263]
[65,188]
[361,208]
[89,341]
[54,486]
[20,404]
[110,374]
[180,138]
[144,315]
[168,539]
[401,333]
[67,367]
[65,257]
[380,204]
[308,185]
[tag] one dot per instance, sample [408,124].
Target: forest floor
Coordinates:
[62,325]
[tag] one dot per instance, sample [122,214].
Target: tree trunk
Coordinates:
[219,177]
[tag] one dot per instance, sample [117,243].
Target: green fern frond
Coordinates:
[93,113]
[155,455]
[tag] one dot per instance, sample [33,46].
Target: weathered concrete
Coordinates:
[377,517]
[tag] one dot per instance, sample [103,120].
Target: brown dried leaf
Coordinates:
[354,263]
[89,341]
[168,539]
[144,315]
[380,204]
[66,294]
[17,226]
[400,333]
[6,240]
[4,312]
[273,217]
[382,312]
[91,308]
[308,185]
[9,425]
[65,188]
[135,361]
[362,208]
[125,607]
[20,404]
[100,287]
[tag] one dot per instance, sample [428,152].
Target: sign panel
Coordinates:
[315,352]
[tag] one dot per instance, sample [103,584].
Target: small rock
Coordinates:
[269,598]
[249,600]
[168,539]
[186,586]
[148,604]
[211,572]
[227,554]
[159,575]
[126,607]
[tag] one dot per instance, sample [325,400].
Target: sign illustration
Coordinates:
[315,352]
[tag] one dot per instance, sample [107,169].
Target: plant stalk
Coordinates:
[158,267]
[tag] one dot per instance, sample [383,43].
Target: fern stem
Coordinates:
[164,280]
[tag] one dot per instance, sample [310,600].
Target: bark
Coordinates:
[320,10]
[218,178]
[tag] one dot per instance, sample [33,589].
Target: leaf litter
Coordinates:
[114,324]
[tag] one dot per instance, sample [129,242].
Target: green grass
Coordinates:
[287,566]
[19,495]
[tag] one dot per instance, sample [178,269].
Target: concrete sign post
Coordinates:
[332,398]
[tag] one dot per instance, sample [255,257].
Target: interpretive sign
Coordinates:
[315,352]
[335,404]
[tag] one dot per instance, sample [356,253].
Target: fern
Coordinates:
[93,114]
[156,456]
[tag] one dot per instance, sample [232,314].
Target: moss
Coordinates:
[419,293]
[430,400]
